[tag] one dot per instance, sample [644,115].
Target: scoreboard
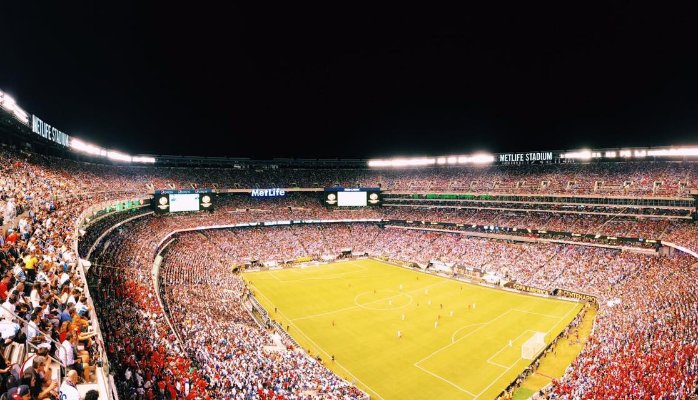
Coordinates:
[352,197]
[165,201]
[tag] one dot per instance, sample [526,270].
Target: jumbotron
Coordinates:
[567,274]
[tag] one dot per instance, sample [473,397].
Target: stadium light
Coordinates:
[143,159]
[8,103]
[578,155]
[480,158]
[79,145]
[402,162]
[674,152]
[610,154]
[115,155]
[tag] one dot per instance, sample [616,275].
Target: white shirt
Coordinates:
[68,391]
[65,353]
[7,311]
[64,278]
[35,298]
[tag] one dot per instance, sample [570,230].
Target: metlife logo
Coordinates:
[268,192]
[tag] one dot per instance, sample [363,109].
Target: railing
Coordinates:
[27,344]
[156,287]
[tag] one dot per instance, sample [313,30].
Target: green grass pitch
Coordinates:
[353,310]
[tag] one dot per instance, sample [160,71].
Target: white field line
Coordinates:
[326,353]
[453,337]
[516,362]
[535,313]
[498,364]
[497,379]
[274,276]
[507,369]
[506,346]
[452,343]
[563,317]
[484,324]
[446,380]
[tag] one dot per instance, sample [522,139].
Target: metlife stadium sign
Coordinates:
[526,158]
[268,192]
[46,131]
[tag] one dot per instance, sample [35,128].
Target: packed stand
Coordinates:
[240,359]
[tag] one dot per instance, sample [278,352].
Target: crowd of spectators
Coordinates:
[645,345]
[636,178]
[681,232]
[42,292]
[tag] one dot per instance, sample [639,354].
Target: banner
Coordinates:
[574,295]
[526,288]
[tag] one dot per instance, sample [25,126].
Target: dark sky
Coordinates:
[353,81]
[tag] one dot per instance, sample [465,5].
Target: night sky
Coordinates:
[353,80]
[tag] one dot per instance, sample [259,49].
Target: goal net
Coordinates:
[533,346]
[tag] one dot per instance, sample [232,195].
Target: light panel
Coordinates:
[480,158]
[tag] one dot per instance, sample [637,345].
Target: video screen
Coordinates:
[184,202]
[352,199]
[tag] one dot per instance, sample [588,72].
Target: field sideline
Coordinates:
[353,310]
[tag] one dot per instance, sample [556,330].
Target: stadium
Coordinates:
[540,269]
[561,273]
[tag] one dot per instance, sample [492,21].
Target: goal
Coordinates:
[533,346]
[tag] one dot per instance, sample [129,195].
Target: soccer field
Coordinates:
[448,349]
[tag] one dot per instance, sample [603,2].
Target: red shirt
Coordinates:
[12,237]
[3,291]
